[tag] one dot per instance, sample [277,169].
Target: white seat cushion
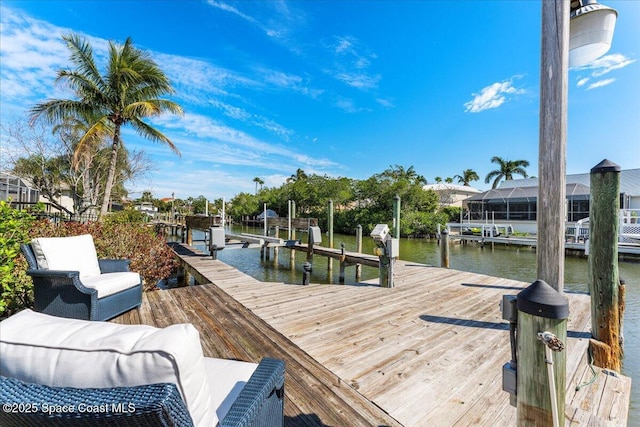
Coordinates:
[110,283]
[56,351]
[76,253]
[227,378]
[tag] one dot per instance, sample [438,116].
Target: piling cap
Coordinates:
[540,299]
[606,166]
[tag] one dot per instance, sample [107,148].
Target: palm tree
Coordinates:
[468,176]
[258,181]
[400,173]
[300,175]
[128,92]
[507,169]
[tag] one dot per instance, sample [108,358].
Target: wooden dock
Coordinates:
[625,250]
[427,352]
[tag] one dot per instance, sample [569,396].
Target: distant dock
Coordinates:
[427,352]
[626,251]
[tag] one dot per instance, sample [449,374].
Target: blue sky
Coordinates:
[343,88]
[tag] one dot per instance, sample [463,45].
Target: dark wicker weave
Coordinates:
[260,403]
[25,404]
[61,293]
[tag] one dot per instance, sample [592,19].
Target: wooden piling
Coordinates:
[330,228]
[396,216]
[275,248]
[292,231]
[310,246]
[264,213]
[603,276]
[444,248]
[343,264]
[533,388]
[541,309]
[359,250]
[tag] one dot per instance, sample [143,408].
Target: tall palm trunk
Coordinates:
[112,171]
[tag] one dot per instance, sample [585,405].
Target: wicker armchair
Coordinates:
[66,292]
[260,403]
[56,371]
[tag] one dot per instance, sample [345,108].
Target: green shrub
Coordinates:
[16,287]
[452,213]
[149,254]
[125,217]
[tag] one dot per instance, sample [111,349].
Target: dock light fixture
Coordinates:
[591,31]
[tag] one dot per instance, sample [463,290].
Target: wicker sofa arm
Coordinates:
[261,401]
[114,265]
[26,404]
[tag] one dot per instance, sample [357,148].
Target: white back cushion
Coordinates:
[76,253]
[61,352]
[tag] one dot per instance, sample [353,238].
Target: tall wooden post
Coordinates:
[359,250]
[534,388]
[264,214]
[292,232]
[396,216]
[553,140]
[276,233]
[603,278]
[444,248]
[343,264]
[330,228]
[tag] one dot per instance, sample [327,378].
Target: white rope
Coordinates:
[552,343]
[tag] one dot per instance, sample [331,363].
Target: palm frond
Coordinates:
[56,110]
[82,57]
[152,107]
[153,134]
[92,139]
[492,175]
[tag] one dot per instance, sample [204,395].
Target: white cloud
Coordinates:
[582,81]
[293,82]
[351,63]
[607,63]
[32,51]
[600,83]
[228,8]
[358,80]
[276,24]
[232,146]
[602,66]
[385,102]
[492,96]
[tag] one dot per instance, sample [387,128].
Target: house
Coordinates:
[515,200]
[451,194]
[23,194]
[146,208]
[18,190]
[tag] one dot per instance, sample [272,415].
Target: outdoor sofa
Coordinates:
[70,281]
[70,372]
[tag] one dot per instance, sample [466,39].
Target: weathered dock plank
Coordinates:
[427,352]
[314,395]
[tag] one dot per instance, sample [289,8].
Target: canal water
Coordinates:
[501,261]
